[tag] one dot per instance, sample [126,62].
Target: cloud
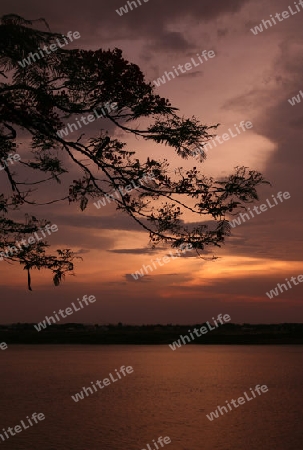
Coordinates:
[98,18]
[133,251]
[144,279]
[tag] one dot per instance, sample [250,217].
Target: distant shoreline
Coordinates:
[159,344]
[227,334]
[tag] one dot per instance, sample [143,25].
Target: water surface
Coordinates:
[169,394]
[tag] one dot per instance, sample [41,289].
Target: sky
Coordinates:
[251,78]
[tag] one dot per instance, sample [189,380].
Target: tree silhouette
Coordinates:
[39,99]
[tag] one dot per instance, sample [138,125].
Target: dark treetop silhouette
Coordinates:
[36,102]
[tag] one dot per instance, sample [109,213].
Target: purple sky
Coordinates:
[251,79]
